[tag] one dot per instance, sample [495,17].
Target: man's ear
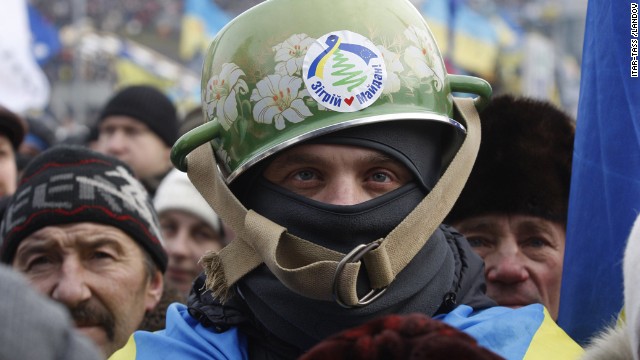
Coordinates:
[154,290]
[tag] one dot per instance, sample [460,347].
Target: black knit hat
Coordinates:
[12,126]
[148,105]
[71,184]
[524,163]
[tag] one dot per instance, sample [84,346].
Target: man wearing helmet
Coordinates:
[338,153]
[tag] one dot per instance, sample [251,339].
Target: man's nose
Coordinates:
[115,142]
[343,191]
[178,245]
[506,266]
[71,288]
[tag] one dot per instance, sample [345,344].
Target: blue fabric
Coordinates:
[605,185]
[209,12]
[45,36]
[508,332]
[505,331]
[185,338]
[35,141]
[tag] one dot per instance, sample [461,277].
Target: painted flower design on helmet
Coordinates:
[273,92]
[290,54]
[394,68]
[278,98]
[422,56]
[221,97]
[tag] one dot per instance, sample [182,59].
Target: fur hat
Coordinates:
[176,192]
[71,184]
[13,126]
[524,163]
[147,105]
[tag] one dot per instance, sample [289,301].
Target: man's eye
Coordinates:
[99,255]
[535,242]
[476,241]
[107,131]
[133,132]
[305,175]
[38,262]
[168,228]
[380,177]
[204,236]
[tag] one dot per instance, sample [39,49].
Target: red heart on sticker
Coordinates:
[349,101]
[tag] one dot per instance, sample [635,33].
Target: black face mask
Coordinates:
[340,228]
[337,227]
[420,287]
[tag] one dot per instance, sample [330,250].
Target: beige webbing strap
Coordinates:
[307,268]
[431,211]
[258,240]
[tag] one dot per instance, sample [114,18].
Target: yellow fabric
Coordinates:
[127,352]
[131,74]
[472,54]
[622,318]
[193,37]
[551,342]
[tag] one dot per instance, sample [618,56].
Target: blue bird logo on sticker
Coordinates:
[344,71]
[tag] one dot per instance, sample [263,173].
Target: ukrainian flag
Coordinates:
[201,22]
[605,184]
[477,39]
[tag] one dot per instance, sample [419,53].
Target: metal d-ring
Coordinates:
[353,256]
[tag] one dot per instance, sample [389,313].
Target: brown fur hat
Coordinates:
[524,163]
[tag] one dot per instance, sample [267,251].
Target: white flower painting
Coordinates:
[394,67]
[290,54]
[279,98]
[422,56]
[220,98]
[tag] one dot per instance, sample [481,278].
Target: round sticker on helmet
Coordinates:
[344,71]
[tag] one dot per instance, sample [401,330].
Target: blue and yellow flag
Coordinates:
[605,186]
[472,41]
[201,22]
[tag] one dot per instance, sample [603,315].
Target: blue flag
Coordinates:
[201,22]
[46,42]
[605,186]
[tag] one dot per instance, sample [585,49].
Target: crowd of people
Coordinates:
[308,210]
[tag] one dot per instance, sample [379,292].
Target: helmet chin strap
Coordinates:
[312,270]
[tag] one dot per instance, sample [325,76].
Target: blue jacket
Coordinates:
[524,333]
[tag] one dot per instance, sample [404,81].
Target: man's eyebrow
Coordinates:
[380,158]
[39,247]
[306,158]
[475,225]
[101,240]
[299,159]
[534,226]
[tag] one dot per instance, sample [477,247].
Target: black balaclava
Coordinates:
[420,287]
[415,143]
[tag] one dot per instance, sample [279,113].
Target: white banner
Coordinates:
[23,84]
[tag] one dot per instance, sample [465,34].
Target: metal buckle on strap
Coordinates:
[353,256]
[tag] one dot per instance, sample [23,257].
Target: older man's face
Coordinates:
[98,272]
[8,170]
[523,258]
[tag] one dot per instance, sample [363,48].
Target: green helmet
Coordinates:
[288,70]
